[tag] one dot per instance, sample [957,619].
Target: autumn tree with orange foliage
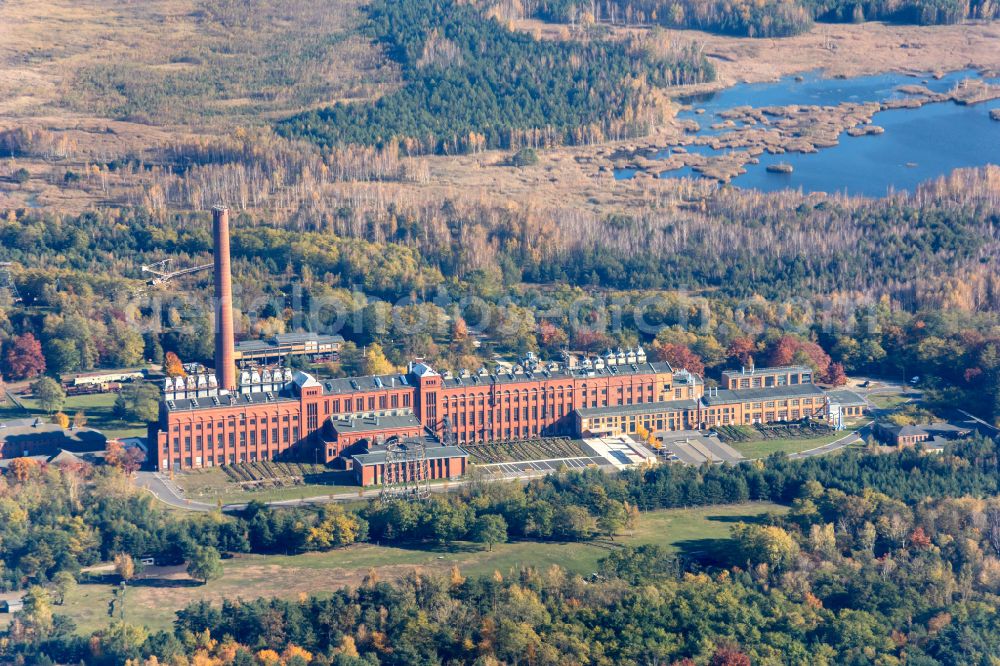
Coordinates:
[128,459]
[60,420]
[293,652]
[789,350]
[23,358]
[459,329]
[173,366]
[268,658]
[836,376]
[551,337]
[23,468]
[919,539]
[590,340]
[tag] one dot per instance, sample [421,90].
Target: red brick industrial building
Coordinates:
[266,414]
[314,420]
[333,420]
[442,462]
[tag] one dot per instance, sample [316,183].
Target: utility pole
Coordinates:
[117,602]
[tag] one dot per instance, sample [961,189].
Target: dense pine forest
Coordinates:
[773,18]
[471,84]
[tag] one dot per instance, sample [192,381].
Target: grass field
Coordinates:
[764,448]
[98,408]
[888,400]
[762,441]
[700,532]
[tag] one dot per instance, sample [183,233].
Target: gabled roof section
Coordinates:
[304,380]
[422,370]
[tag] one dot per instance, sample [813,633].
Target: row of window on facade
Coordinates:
[264,420]
[223,459]
[391,401]
[782,403]
[288,436]
[464,418]
[436,469]
[566,395]
[768,381]
[551,408]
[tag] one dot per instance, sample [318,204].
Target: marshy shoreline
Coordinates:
[738,136]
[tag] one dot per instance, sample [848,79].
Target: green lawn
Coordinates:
[887,400]
[765,447]
[700,532]
[98,407]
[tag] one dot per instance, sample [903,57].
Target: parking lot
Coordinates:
[695,448]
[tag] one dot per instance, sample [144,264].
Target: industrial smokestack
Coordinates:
[225,357]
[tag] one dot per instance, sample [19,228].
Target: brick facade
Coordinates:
[371,474]
[300,421]
[322,421]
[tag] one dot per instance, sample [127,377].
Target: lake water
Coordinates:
[918,144]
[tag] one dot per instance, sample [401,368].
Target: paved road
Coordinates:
[167,492]
[846,440]
[988,428]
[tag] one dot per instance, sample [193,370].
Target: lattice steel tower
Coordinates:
[7,282]
[407,472]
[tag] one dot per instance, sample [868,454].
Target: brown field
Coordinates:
[191,62]
[856,50]
[116,78]
[841,49]
[565,177]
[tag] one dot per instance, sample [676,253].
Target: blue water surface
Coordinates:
[918,144]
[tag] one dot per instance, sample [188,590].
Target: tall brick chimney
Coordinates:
[225,361]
